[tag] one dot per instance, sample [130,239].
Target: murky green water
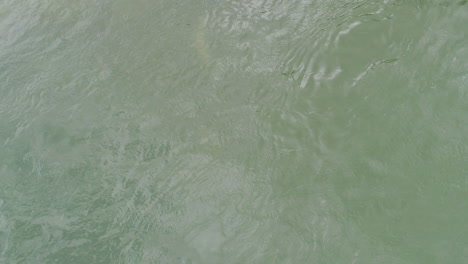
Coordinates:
[249,131]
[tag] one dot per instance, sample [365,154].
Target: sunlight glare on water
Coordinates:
[249,131]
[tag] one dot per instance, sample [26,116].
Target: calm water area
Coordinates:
[234,131]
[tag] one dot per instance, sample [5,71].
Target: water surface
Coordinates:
[249,131]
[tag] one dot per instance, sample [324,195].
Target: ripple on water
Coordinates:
[232,131]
